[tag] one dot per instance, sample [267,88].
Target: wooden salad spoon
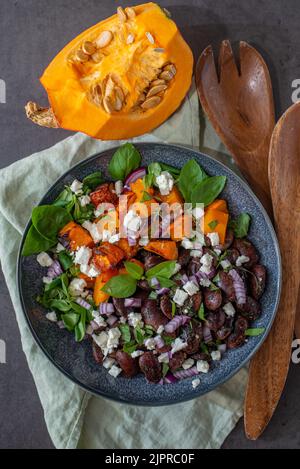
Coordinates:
[269,368]
[240,107]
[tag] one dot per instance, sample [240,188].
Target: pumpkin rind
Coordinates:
[76,89]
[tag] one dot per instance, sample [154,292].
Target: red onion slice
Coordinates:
[222,348]
[160,343]
[83,303]
[112,320]
[207,337]
[183,374]
[163,291]
[154,283]
[239,287]
[176,323]
[170,378]
[55,270]
[106,308]
[139,173]
[133,303]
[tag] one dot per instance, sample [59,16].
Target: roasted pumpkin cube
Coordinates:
[107,256]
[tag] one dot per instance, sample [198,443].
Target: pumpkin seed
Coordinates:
[166,75]
[118,104]
[156,89]
[151,102]
[122,15]
[130,39]
[104,39]
[80,56]
[171,68]
[97,57]
[89,48]
[95,95]
[158,82]
[119,93]
[107,104]
[130,13]
[110,87]
[150,38]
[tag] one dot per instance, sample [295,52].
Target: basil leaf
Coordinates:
[164,269]
[204,348]
[80,328]
[139,335]
[146,197]
[190,176]
[35,243]
[201,313]
[126,334]
[255,332]
[213,224]
[208,190]
[93,180]
[125,160]
[165,282]
[165,369]
[65,284]
[122,286]
[54,284]
[65,260]
[173,309]
[66,199]
[241,225]
[70,320]
[130,347]
[48,220]
[175,172]
[154,170]
[62,305]
[134,270]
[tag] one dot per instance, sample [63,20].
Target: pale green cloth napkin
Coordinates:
[73,416]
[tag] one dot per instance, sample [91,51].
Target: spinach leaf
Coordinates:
[255,332]
[208,190]
[65,260]
[126,334]
[93,181]
[49,219]
[134,270]
[125,160]
[190,176]
[35,243]
[241,225]
[70,320]
[54,284]
[122,286]
[80,328]
[164,269]
[62,305]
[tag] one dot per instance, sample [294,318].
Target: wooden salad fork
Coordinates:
[240,106]
[269,369]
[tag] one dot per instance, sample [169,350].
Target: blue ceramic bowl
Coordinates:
[76,360]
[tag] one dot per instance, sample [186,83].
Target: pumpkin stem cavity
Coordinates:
[41,116]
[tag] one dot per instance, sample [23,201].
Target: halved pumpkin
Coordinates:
[119,79]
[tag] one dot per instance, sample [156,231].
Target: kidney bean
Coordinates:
[194,266]
[257,281]
[246,248]
[251,309]
[196,301]
[177,360]
[235,340]
[226,284]
[193,335]
[207,241]
[183,257]
[212,299]
[232,255]
[151,260]
[152,315]
[151,367]
[142,294]
[201,356]
[225,330]
[128,364]
[119,304]
[166,306]
[97,353]
[229,238]
[215,320]
[144,285]
[241,324]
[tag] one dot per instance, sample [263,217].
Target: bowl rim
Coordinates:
[263,337]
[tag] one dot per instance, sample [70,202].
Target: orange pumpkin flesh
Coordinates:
[132,67]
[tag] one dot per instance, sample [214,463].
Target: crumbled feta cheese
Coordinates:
[98,319]
[90,270]
[119,186]
[216,356]
[44,259]
[123,320]
[114,239]
[225,264]
[205,282]
[191,288]
[218,252]
[206,262]
[188,364]
[198,212]
[47,280]
[199,237]
[132,221]
[214,239]
[113,338]
[76,187]
[52,317]
[178,345]
[77,286]
[196,383]
[165,183]
[115,371]
[242,260]
[93,230]
[135,320]
[229,310]
[180,297]
[83,255]
[84,200]
[106,235]
[160,330]
[187,244]
[137,354]
[196,253]
[101,341]
[202,366]
[59,248]
[144,241]
[150,344]
[108,363]
[164,358]
[177,269]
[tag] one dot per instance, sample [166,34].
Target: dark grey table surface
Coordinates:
[33,31]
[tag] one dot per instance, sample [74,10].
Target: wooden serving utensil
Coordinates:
[269,368]
[240,107]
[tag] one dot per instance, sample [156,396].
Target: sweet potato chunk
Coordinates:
[107,256]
